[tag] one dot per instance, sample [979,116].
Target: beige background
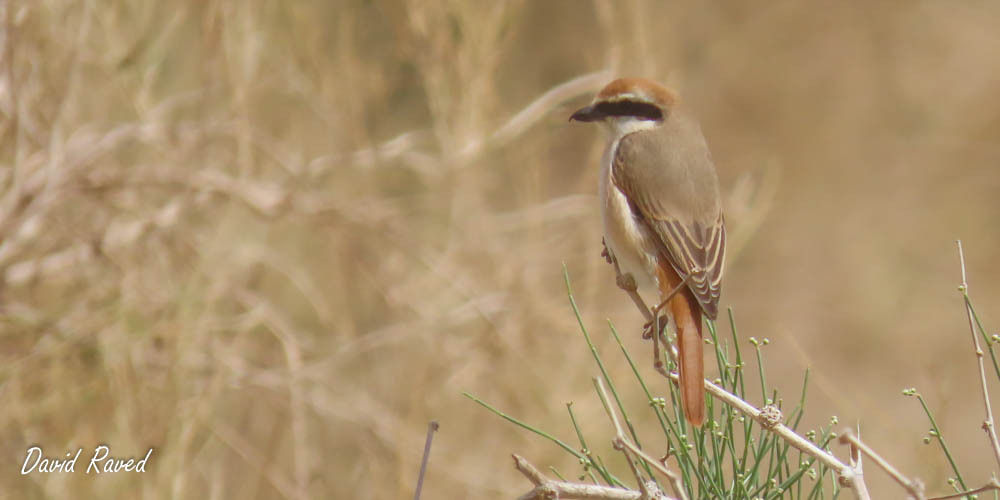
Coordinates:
[274,239]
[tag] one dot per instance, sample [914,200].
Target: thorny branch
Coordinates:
[859,473]
[913,487]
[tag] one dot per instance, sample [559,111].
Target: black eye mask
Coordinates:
[640,110]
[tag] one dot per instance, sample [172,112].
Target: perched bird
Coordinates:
[662,212]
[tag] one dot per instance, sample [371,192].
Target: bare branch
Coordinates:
[860,487]
[912,486]
[546,488]
[993,484]
[988,424]
[771,421]
[622,442]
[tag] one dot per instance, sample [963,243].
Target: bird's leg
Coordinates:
[653,320]
[658,340]
[626,282]
[671,349]
[656,322]
[647,330]
[656,351]
[680,286]
[670,295]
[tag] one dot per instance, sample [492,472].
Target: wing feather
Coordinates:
[680,204]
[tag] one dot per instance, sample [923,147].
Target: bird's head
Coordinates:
[629,104]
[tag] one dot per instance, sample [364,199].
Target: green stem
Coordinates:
[940,438]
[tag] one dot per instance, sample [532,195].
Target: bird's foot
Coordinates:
[606,253]
[659,322]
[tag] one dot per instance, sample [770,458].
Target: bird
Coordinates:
[662,213]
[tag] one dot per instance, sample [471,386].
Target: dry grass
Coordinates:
[274,239]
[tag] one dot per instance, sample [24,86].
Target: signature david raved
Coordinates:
[101,461]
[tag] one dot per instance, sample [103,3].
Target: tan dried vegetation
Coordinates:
[272,240]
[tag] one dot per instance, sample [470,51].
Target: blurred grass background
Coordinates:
[272,240]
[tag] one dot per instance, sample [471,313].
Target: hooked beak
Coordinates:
[587,114]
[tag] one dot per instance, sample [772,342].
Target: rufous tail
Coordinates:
[687,319]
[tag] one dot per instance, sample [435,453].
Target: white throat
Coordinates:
[620,126]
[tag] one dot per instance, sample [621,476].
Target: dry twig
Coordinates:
[621,442]
[855,461]
[769,417]
[913,487]
[648,490]
[988,424]
[993,484]
[546,488]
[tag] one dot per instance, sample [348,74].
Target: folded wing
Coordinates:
[673,189]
